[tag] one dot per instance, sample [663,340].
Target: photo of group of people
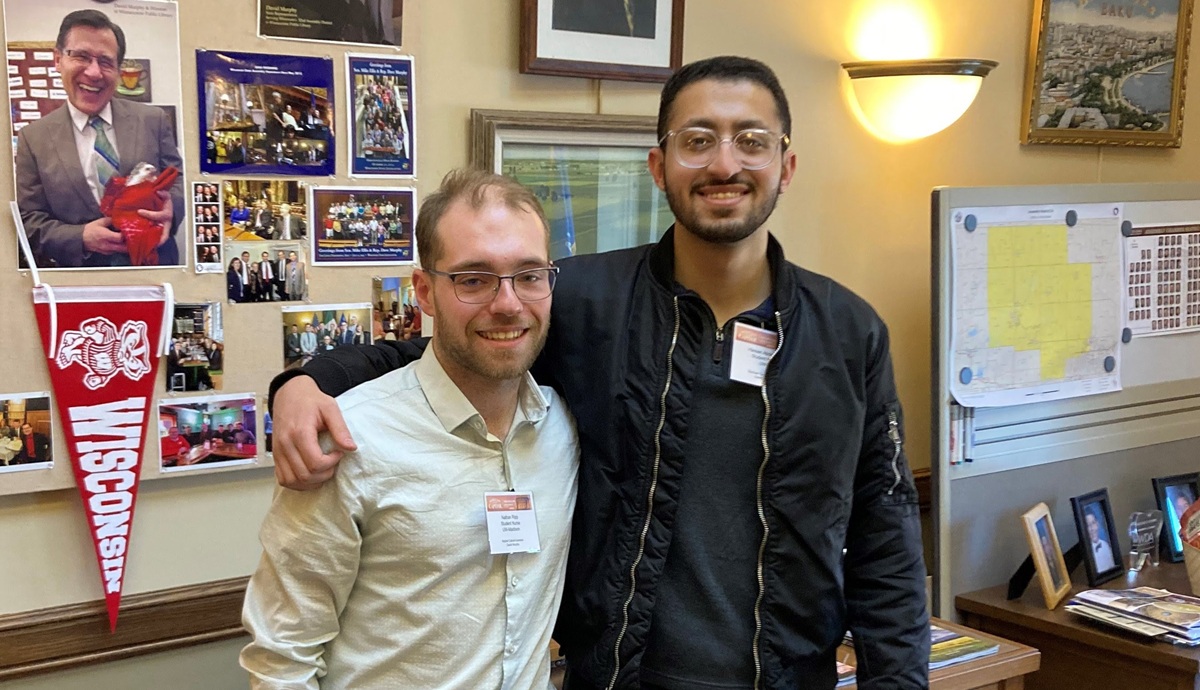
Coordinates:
[381,95]
[266,114]
[397,314]
[196,357]
[363,225]
[311,331]
[71,215]
[207,226]
[266,272]
[264,209]
[25,432]
[207,432]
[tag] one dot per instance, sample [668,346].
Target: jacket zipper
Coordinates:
[894,434]
[662,419]
[762,513]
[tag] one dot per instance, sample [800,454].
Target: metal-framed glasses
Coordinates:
[753,149]
[85,58]
[481,287]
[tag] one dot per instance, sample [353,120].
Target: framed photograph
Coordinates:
[630,40]
[370,22]
[362,226]
[588,171]
[1124,89]
[265,114]
[1047,554]
[383,134]
[313,330]
[1174,495]
[26,432]
[1098,535]
[207,432]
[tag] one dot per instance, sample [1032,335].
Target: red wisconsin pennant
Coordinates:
[102,344]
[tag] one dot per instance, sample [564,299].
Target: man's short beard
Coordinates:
[720,231]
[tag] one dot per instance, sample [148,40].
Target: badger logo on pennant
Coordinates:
[105,352]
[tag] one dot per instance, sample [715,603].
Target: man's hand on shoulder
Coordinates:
[100,238]
[301,411]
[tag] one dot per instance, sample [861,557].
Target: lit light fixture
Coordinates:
[903,100]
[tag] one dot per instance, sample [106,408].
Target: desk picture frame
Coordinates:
[1113,95]
[1052,573]
[572,38]
[1168,492]
[1093,513]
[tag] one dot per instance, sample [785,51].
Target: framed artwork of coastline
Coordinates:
[1109,73]
[588,171]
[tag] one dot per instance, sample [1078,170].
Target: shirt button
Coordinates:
[511,649]
[513,583]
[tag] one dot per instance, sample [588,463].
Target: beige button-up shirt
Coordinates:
[382,578]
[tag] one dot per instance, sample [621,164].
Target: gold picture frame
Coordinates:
[1126,90]
[1052,573]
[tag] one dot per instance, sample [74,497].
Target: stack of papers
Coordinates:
[1143,610]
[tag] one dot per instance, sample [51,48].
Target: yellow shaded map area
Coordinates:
[1036,300]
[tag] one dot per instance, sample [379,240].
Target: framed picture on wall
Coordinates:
[1047,554]
[1107,73]
[630,40]
[1174,495]
[588,171]
[1098,534]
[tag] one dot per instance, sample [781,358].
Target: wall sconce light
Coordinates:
[903,100]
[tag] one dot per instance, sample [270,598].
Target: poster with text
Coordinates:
[266,114]
[360,226]
[382,127]
[80,206]
[369,22]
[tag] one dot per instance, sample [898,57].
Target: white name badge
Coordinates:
[752,348]
[511,522]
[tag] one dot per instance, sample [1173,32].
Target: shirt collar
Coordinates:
[81,118]
[452,407]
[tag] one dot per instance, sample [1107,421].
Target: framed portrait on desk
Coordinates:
[1098,537]
[1174,495]
[1047,554]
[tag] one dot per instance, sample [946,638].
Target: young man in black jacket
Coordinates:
[743,492]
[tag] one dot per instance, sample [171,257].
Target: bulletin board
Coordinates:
[1141,421]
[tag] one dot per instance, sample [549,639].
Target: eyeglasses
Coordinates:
[84,58]
[481,287]
[753,149]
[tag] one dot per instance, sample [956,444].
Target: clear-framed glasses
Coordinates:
[753,149]
[85,58]
[481,287]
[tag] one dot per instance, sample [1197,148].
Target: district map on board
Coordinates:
[1036,304]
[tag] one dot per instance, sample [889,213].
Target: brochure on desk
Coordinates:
[946,649]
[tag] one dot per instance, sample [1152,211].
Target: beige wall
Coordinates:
[858,211]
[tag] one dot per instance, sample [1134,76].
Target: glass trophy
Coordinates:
[1144,528]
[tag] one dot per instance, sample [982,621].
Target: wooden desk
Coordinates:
[1077,653]
[1004,670]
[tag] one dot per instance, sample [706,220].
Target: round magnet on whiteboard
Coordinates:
[1110,363]
[1072,219]
[1126,335]
[1127,228]
[965,375]
[970,222]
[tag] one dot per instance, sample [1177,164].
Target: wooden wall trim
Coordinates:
[924,488]
[62,637]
